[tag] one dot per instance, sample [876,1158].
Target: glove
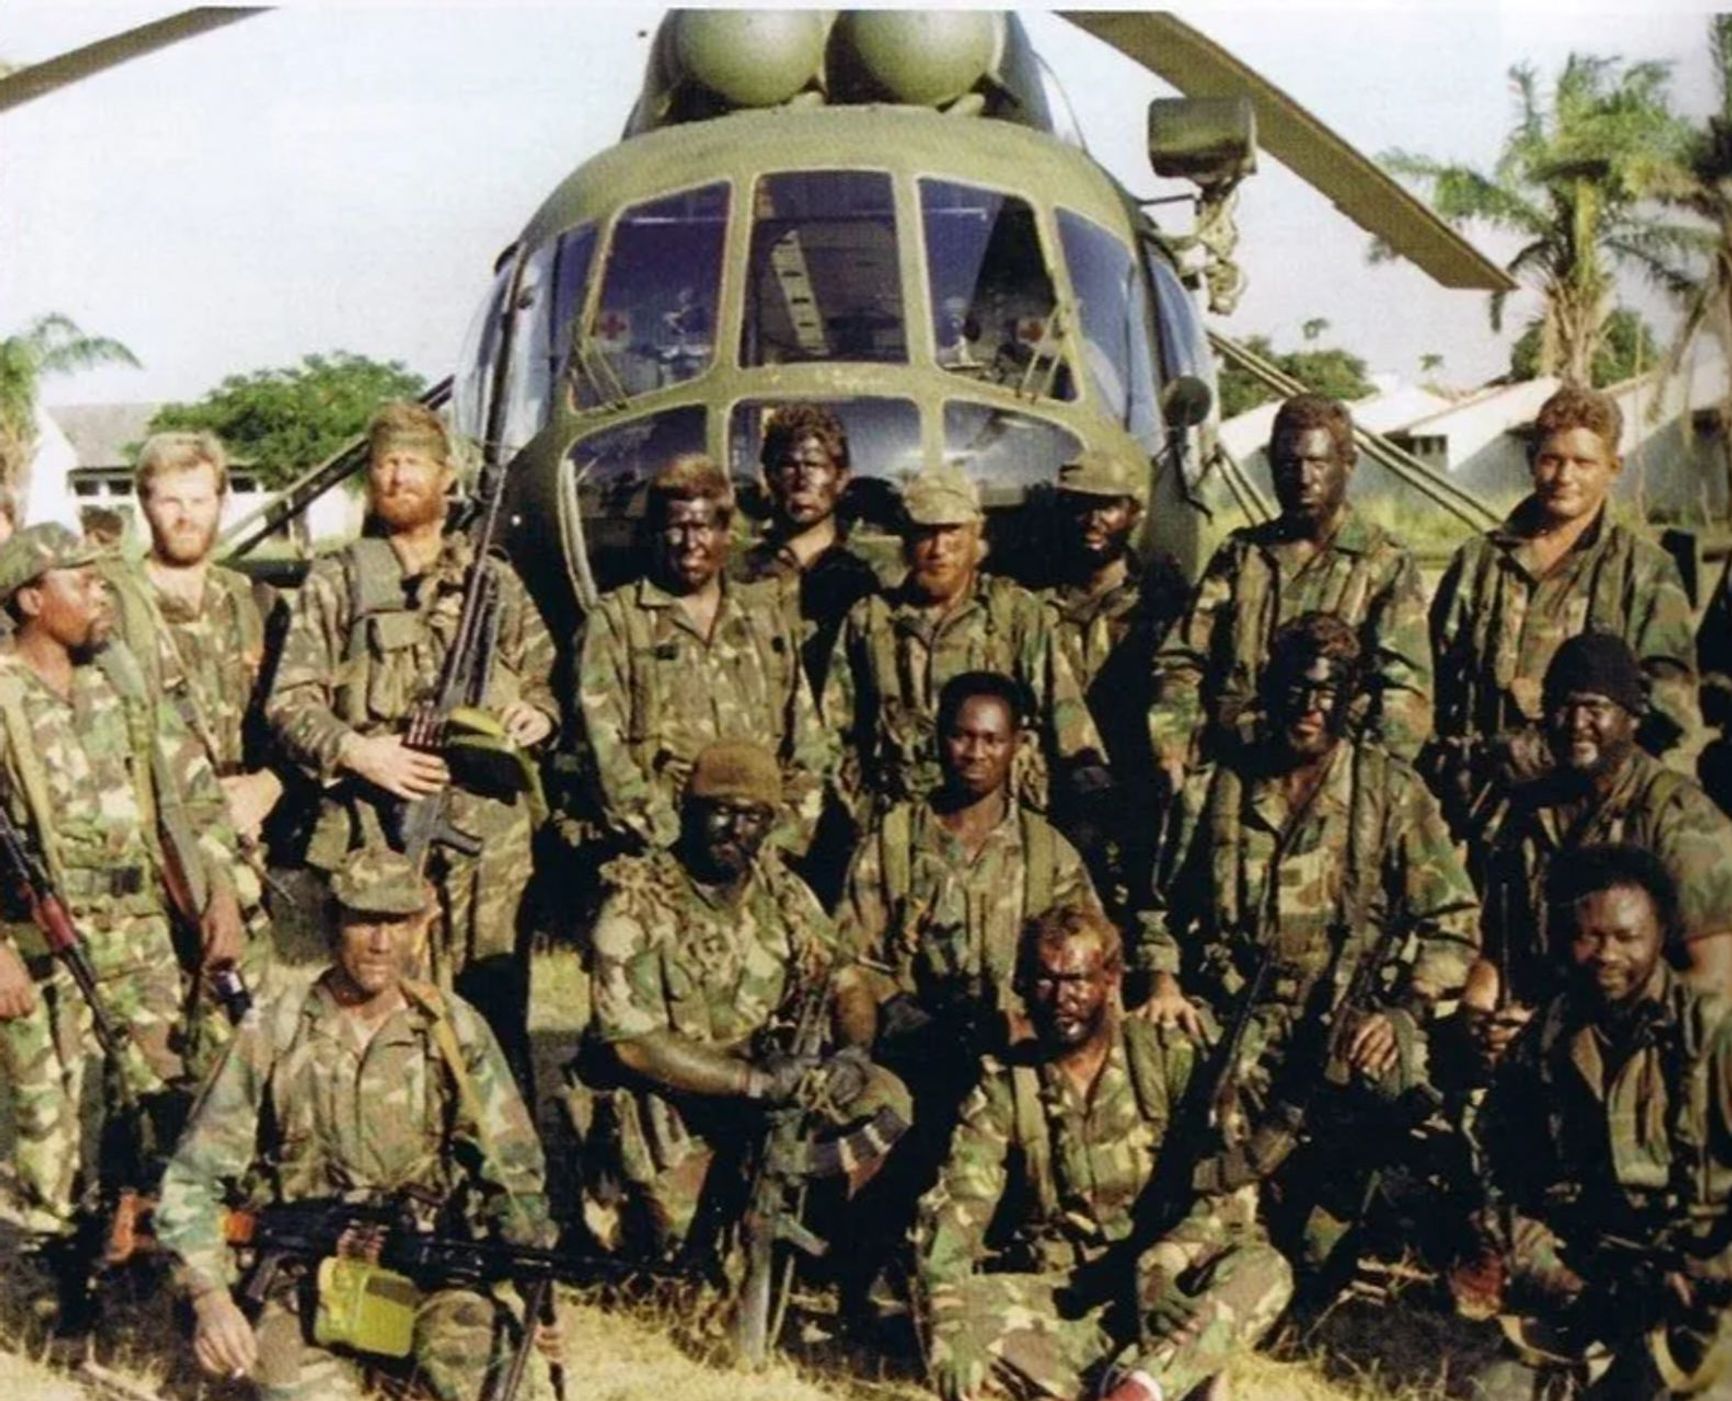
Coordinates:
[958,1365]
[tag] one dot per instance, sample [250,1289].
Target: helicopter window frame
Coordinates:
[1132,321]
[953,409]
[750,321]
[1181,353]
[1062,378]
[597,380]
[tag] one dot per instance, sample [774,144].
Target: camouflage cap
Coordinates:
[941,496]
[378,881]
[1100,472]
[36,549]
[737,769]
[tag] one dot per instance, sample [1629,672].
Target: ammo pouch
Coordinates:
[364,1307]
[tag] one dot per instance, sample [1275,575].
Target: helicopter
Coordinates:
[892,213]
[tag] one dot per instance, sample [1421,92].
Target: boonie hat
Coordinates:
[941,496]
[378,881]
[36,549]
[1100,472]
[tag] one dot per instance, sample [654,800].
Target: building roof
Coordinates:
[99,433]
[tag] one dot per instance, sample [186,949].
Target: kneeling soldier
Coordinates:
[377,1090]
[1070,1127]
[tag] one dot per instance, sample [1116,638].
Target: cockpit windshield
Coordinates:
[1006,452]
[1116,330]
[993,306]
[823,282]
[655,321]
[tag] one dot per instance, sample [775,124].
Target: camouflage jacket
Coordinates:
[1624,1134]
[924,918]
[1648,805]
[1321,883]
[1207,670]
[670,955]
[1059,1170]
[298,1109]
[655,694]
[342,673]
[893,657]
[206,659]
[819,594]
[99,783]
[1495,625]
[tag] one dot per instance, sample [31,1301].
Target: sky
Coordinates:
[342,175]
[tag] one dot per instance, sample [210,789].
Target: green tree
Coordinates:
[49,345]
[1627,349]
[1334,372]
[1571,181]
[284,421]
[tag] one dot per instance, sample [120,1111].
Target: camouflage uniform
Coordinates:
[1593,1140]
[654,694]
[818,593]
[299,1109]
[671,956]
[207,662]
[98,782]
[1077,1168]
[349,669]
[1495,626]
[1647,805]
[1317,888]
[1207,671]
[1714,655]
[893,657]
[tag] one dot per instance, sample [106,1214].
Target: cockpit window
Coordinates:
[609,469]
[1184,342]
[654,323]
[1117,334]
[543,329]
[472,397]
[883,447]
[1005,452]
[993,305]
[823,281]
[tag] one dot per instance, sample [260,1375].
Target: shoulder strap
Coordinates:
[30,773]
[1039,862]
[445,1041]
[375,578]
[120,665]
[896,855]
[881,635]
[1032,1136]
[1149,1071]
[243,607]
[645,698]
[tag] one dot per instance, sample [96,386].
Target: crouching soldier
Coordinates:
[701,951]
[1066,1132]
[1606,1138]
[374,1089]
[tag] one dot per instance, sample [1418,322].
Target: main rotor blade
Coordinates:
[1355,184]
[42,78]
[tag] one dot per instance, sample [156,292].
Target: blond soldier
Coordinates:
[368,635]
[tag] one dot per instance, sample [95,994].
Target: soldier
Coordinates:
[373,1087]
[806,466]
[698,949]
[898,649]
[1111,616]
[1557,567]
[1319,554]
[1066,1130]
[1314,853]
[684,658]
[1605,1130]
[1714,654]
[101,779]
[1604,789]
[198,631]
[368,635]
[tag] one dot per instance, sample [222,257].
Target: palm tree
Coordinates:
[50,345]
[1570,182]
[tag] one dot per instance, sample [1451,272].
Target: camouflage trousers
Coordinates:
[64,1105]
[463,1344]
[1198,1303]
[208,1028]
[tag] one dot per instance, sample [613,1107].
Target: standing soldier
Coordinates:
[198,632]
[1557,567]
[99,777]
[1609,1159]
[806,466]
[897,650]
[1069,1128]
[368,635]
[1318,867]
[1318,555]
[1111,616]
[378,1089]
[683,658]
[1604,789]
